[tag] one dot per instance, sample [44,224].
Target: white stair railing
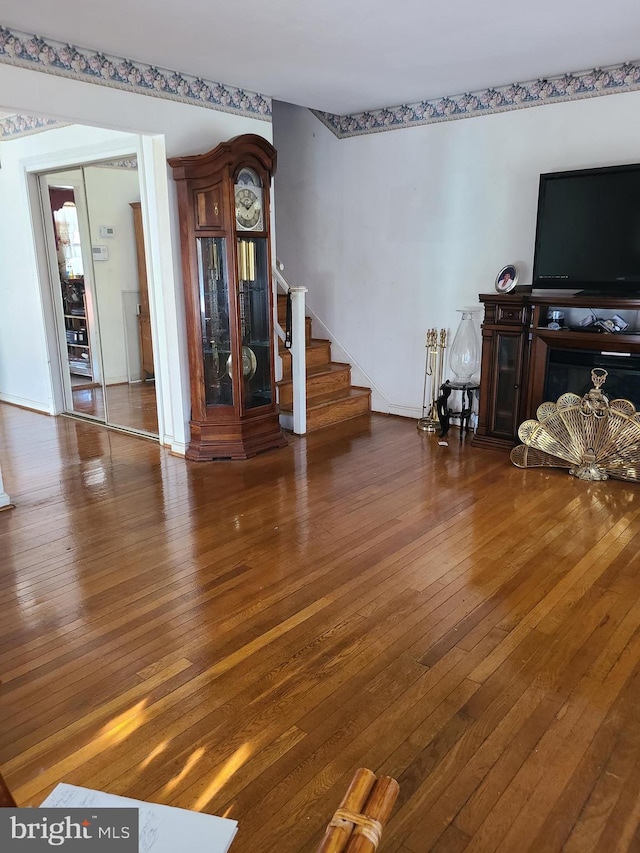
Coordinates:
[297,348]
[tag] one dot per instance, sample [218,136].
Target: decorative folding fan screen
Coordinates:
[592,437]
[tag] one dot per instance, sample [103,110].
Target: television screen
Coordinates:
[588,230]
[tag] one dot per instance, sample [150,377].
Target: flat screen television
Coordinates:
[588,231]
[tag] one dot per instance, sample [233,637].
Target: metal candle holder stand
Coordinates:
[434,362]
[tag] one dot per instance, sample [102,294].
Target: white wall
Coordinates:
[25,377]
[394,231]
[168,128]
[187,129]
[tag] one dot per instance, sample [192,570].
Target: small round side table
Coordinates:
[466,405]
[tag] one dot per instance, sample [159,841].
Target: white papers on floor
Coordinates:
[163,829]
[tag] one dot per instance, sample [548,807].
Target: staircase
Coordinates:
[331,397]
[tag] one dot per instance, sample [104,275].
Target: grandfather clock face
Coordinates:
[249,201]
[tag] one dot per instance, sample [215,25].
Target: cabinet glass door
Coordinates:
[253,298]
[507,390]
[214,315]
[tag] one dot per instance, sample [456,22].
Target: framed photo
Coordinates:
[507,278]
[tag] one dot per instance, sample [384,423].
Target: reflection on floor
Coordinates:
[132,406]
[82,382]
[239,637]
[88,401]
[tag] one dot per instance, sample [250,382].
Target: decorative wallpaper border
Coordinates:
[120,163]
[548,90]
[14,126]
[78,63]
[66,60]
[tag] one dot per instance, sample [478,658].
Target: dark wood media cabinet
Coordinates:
[516,348]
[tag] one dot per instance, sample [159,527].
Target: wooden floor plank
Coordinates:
[239,637]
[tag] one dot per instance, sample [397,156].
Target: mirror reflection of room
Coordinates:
[119,271]
[110,350]
[80,360]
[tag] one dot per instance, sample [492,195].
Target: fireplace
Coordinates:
[570,370]
[526,362]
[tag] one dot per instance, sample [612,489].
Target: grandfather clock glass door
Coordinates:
[223,198]
[214,317]
[253,298]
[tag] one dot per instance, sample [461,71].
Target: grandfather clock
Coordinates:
[223,200]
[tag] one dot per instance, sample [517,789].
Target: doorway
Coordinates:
[95,247]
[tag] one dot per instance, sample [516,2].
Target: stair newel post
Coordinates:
[298,359]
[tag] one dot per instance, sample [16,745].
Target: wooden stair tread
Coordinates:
[318,354]
[324,400]
[307,328]
[330,396]
[332,366]
[311,343]
[322,369]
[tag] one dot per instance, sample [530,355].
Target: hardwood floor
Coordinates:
[130,405]
[239,637]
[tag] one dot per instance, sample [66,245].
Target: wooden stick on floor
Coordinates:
[357,824]
[337,836]
[378,810]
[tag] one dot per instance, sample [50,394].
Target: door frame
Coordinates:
[172,391]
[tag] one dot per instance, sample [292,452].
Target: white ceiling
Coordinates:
[344,56]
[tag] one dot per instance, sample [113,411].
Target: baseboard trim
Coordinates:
[24,403]
[178,448]
[405,411]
